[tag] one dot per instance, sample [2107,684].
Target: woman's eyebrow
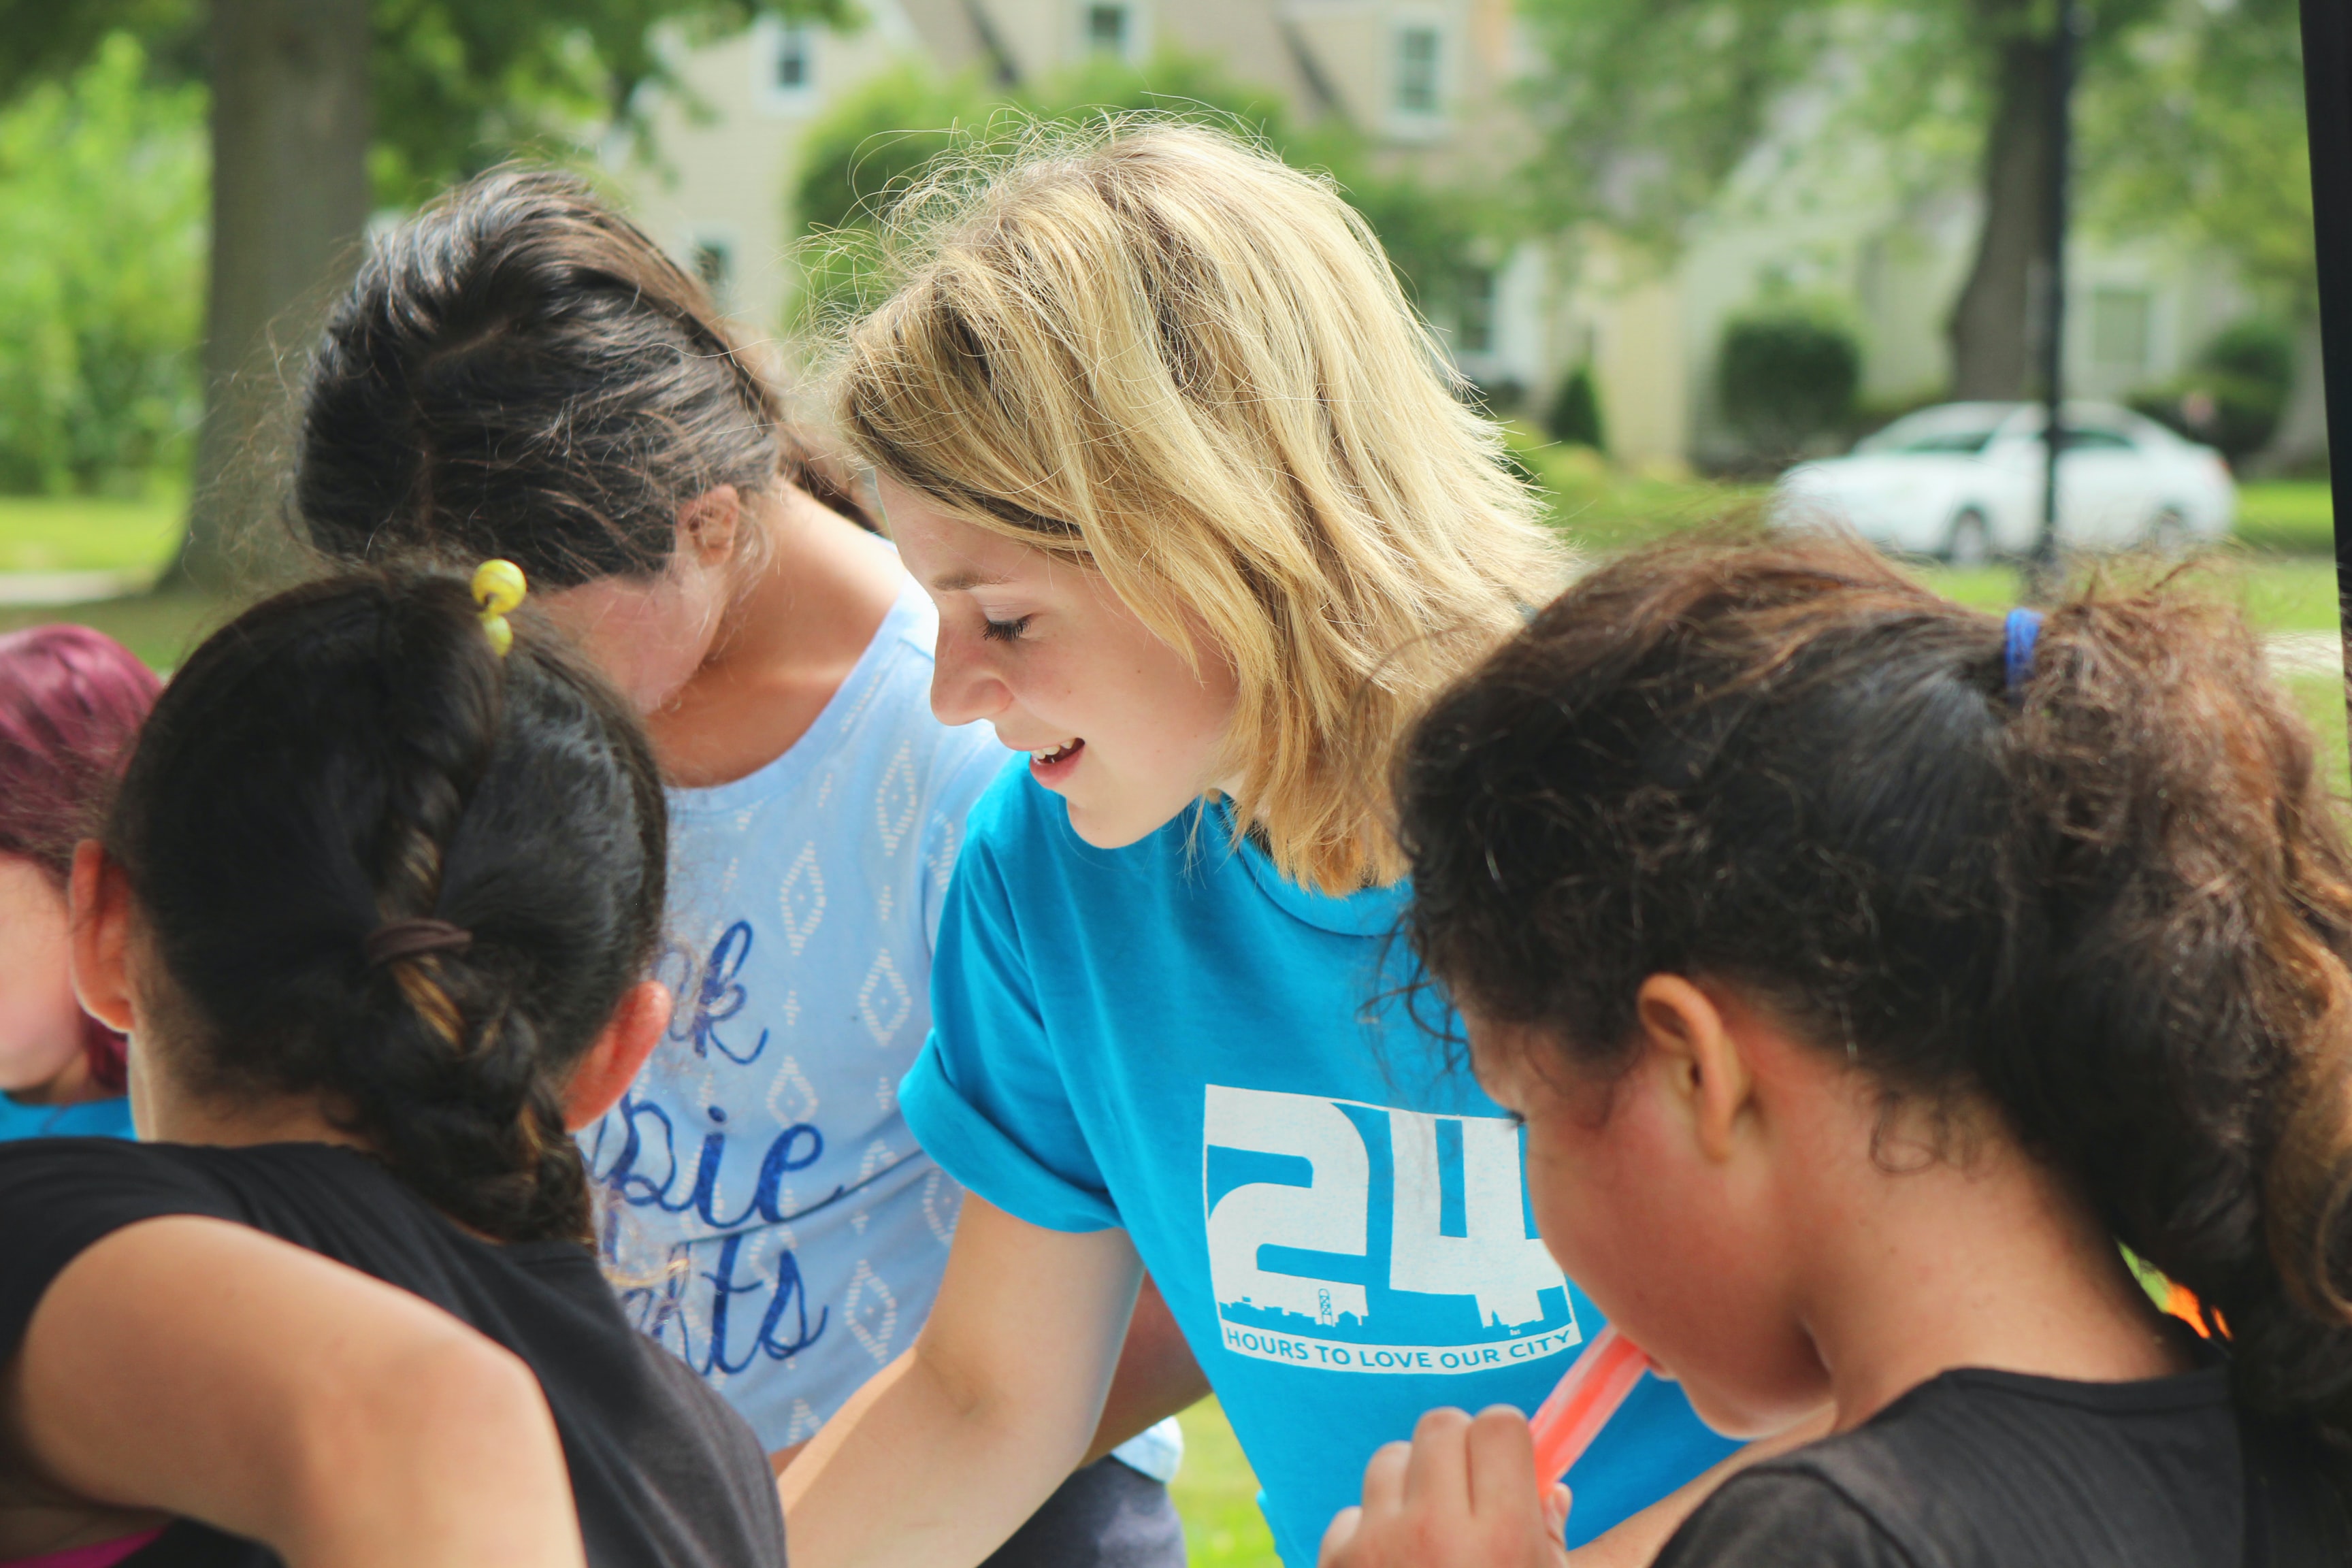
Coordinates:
[966,580]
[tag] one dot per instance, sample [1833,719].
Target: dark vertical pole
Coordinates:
[2042,576]
[2327,103]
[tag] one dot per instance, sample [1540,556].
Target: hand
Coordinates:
[1462,1494]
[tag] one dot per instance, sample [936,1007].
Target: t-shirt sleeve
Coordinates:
[1770,1518]
[986,1098]
[967,762]
[59,1197]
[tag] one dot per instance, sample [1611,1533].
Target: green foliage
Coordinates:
[2201,138]
[1788,375]
[102,231]
[102,181]
[2258,350]
[2190,113]
[458,84]
[1646,106]
[873,143]
[1574,416]
[2235,396]
[48,40]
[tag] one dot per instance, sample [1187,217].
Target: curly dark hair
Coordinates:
[353,752]
[2115,903]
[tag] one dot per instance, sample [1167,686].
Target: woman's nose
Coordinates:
[963,688]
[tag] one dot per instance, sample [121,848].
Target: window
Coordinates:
[1108,30]
[2082,439]
[1476,335]
[795,59]
[714,263]
[1967,443]
[2119,331]
[786,62]
[1416,70]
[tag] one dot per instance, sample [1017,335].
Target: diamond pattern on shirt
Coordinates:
[801,900]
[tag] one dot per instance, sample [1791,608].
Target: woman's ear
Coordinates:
[708,524]
[618,1054]
[99,910]
[1706,1075]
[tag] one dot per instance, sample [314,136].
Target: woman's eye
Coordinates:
[1003,631]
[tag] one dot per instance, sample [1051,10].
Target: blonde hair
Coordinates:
[1162,354]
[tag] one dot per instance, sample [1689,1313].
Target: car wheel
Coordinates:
[2168,532]
[1971,541]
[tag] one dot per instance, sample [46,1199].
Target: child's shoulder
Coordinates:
[1780,1514]
[1984,1468]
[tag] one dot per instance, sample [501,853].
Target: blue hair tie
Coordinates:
[2018,637]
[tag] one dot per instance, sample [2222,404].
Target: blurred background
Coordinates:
[1691,251]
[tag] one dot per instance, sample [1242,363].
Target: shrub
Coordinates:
[1788,375]
[874,141]
[2235,396]
[102,201]
[1574,416]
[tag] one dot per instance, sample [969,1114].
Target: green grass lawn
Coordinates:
[82,533]
[1217,1496]
[161,629]
[2295,516]
[2279,568]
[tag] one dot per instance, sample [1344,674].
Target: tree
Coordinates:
[103,237]
[1647,106]
[2203,140]
[873,143]
[322,108]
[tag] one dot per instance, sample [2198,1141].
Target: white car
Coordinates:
[1963,480]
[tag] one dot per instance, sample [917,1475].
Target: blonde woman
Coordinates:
[1155,427]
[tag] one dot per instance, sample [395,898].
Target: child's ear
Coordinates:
[618,1054]
[100,903]
[1705,1073]
[709,522]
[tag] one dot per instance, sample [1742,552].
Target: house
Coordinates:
[1425,79]
[1434,84]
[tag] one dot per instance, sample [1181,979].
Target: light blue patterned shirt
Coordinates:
[766,1213]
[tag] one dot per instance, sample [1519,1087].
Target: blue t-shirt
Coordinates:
[109,1118]
[1171,1038]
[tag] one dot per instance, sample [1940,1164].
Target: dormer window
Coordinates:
[795,59]
[1419,60]
[1109,29]
[785,58]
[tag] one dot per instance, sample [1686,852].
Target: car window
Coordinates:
[1947,441]
[2079,439]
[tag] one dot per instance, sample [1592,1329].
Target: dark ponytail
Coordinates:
[353,753]
[521,372]
[2116,901]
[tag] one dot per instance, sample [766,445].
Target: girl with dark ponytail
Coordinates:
[1886,964]
[518,371]
[375,904]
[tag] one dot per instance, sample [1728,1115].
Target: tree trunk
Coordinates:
[290,119]
[1991,325]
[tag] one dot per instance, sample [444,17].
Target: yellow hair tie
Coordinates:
[499,588]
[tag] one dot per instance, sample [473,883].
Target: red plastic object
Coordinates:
[1572,1414]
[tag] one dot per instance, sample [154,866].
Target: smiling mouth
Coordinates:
[1061,753]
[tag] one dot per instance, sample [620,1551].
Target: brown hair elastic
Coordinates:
[413,938]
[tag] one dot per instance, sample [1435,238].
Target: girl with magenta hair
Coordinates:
[71,701]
